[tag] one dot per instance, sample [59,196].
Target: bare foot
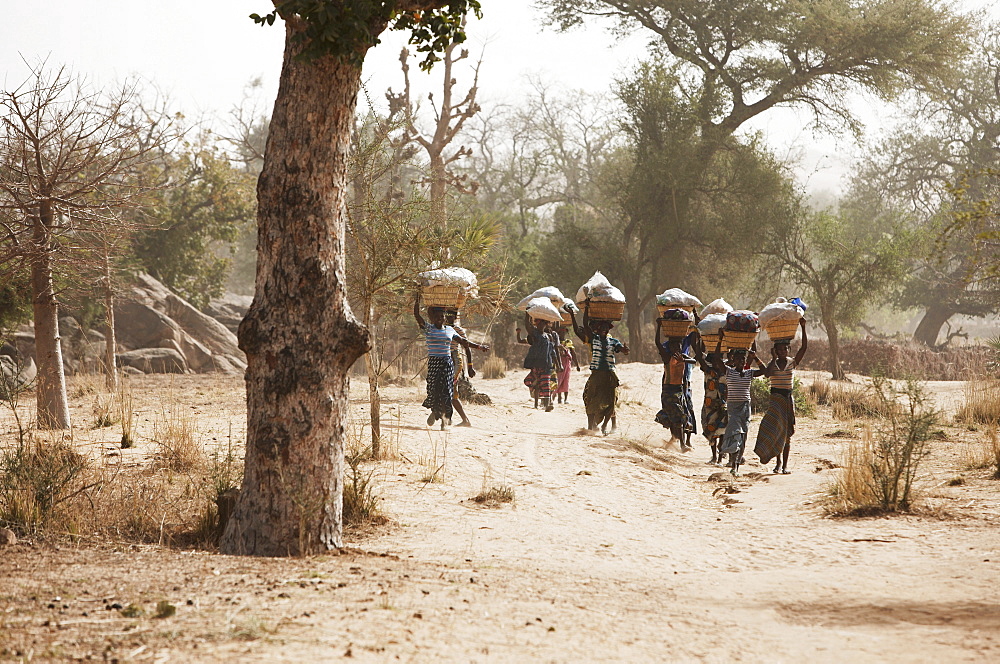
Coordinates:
[464,423]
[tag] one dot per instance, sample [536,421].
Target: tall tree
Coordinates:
[69,157]
[947,142]
[450,116]
[300,336]
[844,261]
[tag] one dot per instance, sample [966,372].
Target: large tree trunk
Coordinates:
[930,325]
[439,191]
[637,346]
[299,335]
[52,405]
[833,335]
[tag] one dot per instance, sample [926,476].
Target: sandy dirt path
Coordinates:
[616,548]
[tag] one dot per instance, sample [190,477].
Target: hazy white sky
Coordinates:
[204,52]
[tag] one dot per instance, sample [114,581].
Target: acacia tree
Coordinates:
[299,336]
[947,143]
[68,163]
[845,263]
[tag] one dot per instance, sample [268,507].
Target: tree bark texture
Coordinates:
[930,325]
[833,335]
[52,404]
[373,362]
[299,335]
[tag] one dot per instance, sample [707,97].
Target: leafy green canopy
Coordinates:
[746,56]
[346,29]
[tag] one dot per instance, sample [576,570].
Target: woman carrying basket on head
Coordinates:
[440,369]
[774,437]
[600,394]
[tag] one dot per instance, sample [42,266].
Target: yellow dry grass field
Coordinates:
[589,548]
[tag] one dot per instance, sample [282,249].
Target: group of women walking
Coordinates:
[725,413]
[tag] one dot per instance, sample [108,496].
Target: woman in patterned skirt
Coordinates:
[440,370]
[774,437]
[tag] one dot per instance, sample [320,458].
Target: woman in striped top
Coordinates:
[774,438]
[739,375]
[600,394]
[440,370]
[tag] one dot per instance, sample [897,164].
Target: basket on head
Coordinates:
[711,341]
[735,339]
[567,320]
[663,308]
[602,310]
[443,296]
[675,328]
[782,330]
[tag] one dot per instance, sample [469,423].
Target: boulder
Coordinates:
[154,360]
[229,309]
[7,537]
[161,315]
[16,368]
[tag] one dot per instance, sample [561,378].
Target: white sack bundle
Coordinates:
[542,307]
[712,323]
[675,297]
[452,276]
[719,306]
[779,311]
[551,292]
[600,289]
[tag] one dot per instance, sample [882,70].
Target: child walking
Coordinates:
[600,394]
[713,410]
[440,370]
[461,359]
[774,437]
[568,358]
[738,377]
[676,408]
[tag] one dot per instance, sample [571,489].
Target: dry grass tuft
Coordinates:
[37,478]
[106,410]
[847,401]
[982,403]
[879,471]
[178,447]
[494,496]
[494,366]
[984,452]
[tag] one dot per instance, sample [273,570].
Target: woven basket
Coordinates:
[711,340]
[741,340]
[567,320]
[782,329]
[597,310]
[662,308]
[443,296]
[675,328]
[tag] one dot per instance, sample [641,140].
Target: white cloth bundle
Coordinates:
[551,292]
[780,311]
[719,306]
[712,323]
[542,307]
[452,276]
[598,288]
[675,297]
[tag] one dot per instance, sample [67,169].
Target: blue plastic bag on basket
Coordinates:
[798,301]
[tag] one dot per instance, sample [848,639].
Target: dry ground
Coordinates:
[616,548]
